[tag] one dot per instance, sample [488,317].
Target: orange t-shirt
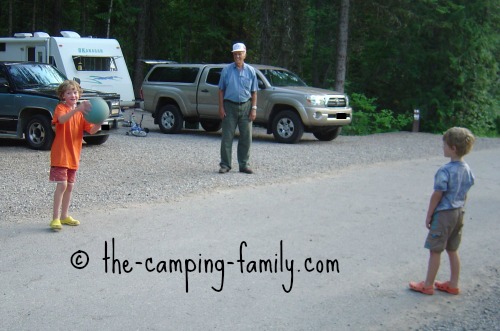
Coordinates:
[67,145]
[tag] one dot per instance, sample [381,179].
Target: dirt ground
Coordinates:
[257,257]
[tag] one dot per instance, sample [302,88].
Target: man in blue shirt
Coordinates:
[237,108]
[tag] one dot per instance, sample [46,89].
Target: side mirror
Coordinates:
[76,79]
[4,85]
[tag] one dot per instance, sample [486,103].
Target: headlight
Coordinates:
[316,100]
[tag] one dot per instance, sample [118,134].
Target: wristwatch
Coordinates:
[254,107]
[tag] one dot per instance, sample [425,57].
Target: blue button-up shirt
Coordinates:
[238,85]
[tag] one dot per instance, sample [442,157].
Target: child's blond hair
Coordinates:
[66,85]
[461,138]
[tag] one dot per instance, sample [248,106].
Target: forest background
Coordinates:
[438,56]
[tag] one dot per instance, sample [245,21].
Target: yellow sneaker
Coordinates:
[70,221]
[55,224]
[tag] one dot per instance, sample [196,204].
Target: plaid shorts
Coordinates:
[61,175]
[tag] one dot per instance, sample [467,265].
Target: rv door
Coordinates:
[40,54]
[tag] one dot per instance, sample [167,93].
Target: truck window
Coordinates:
[174,75]
[213,76]
[94,63]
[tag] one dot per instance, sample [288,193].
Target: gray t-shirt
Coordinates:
[454,179]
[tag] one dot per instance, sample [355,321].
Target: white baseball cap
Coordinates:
[239,47]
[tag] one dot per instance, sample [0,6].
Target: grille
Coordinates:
[336,102]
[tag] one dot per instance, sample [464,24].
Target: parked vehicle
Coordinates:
[98,63]
[28,99]
[286,106]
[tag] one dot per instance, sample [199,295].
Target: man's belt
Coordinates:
[236,103]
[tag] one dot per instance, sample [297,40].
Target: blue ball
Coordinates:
[99,111]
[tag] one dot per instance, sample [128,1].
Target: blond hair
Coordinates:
[461,138]
[66,85]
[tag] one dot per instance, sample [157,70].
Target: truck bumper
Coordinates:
[322,116]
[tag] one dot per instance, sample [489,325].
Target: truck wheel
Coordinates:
[328,134]
[211,126]
[39,133]
[96,140]
[170,119]
[287,127]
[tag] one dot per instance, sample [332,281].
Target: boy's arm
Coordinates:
[435,198]
[94,128]
[83,107]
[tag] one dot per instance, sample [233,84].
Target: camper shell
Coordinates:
[98,63]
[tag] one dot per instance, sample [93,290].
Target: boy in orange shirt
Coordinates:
[65,152]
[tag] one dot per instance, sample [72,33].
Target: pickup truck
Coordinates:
[28,99]
[286,106]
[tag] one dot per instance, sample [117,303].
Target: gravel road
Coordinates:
[129,171]
[159,168]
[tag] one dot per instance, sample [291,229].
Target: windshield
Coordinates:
[35,75]
[282,78]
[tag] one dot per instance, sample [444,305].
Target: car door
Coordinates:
[208,93]
[8,110]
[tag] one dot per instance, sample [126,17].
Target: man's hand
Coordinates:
[222,112]
[253,114]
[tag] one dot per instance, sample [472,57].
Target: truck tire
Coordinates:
[287,127]
[211,126]
[39,133]
[96,140]
[170,119]
[328,134]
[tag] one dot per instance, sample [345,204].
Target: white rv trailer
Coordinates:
[98,63]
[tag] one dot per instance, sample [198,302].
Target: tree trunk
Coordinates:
[266,31]
[33,18]
[140,46]
[342,46]
[109,18]
[10,18]
[56,23]
[83,18]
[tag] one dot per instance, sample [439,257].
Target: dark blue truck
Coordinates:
[28,99]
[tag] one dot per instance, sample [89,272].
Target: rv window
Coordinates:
[2,47]
[89,63]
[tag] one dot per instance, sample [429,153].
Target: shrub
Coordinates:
[367,119]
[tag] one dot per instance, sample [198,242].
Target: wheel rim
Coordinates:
[285,127]
[168,120]
[36,133]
